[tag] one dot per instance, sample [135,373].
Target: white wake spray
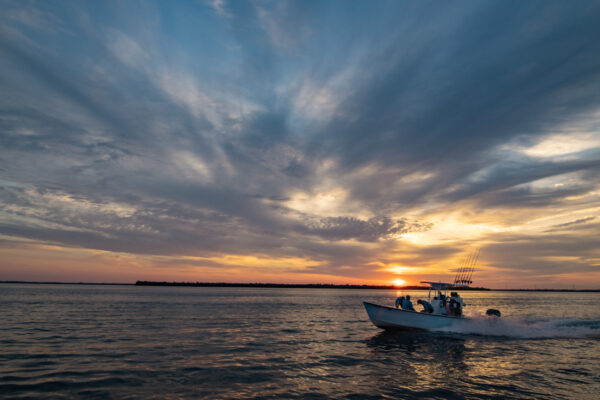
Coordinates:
[527,328]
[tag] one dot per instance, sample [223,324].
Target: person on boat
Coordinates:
[427,307]
[459,299]
[399,301]
[455,305]
[443,304]
[407,304]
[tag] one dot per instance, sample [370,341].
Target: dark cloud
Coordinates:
[513,173]
[373,229]
[571,224]
[543,255]
[479,79]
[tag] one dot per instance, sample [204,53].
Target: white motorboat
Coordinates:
[442,315]
[394,318]
[444,311]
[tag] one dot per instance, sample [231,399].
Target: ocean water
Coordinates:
[127,342]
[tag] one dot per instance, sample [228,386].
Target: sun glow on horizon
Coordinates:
[399,282]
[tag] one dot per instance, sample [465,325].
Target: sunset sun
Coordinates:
[399,282]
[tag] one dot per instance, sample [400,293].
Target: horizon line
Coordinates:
[287,285]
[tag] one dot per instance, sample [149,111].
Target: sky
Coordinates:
[361,142]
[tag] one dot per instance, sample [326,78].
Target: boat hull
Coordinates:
[394,318]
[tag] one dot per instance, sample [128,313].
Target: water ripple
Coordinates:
[126,342]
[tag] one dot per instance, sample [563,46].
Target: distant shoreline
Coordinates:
[291,286]
[288,285]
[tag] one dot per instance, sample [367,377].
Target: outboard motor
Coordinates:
[493,313]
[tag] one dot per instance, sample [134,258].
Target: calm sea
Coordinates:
[73,341]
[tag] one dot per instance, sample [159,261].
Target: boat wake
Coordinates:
[527,328]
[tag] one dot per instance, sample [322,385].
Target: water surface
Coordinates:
[75,341]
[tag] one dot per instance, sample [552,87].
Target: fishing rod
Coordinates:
[466,268]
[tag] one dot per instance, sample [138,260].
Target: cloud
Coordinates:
[373,229]
[571,224]
[281,23]
[487,88]
[544,255]
[220,7]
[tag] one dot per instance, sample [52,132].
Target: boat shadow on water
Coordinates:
[416,341]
